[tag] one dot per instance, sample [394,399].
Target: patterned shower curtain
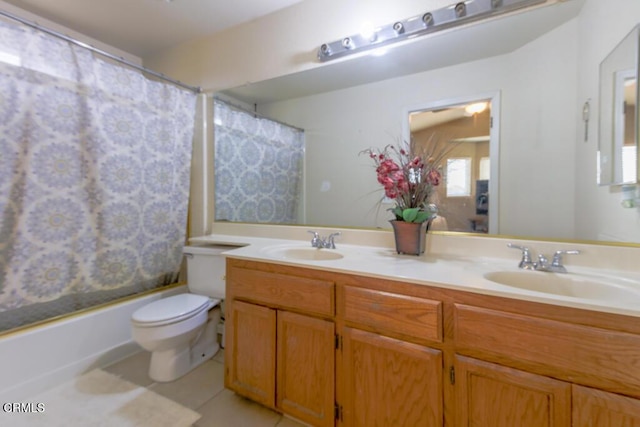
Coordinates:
[258,167]
[94,178]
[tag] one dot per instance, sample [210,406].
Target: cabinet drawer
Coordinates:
[592,356]
[283,291]
[401,314]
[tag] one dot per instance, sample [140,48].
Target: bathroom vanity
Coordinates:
[333,347]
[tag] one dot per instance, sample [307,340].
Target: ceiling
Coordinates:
[145,27]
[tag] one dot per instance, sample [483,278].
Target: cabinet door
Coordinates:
[306,368]
[388,382]
[250,352]
[596,408]
[490,395]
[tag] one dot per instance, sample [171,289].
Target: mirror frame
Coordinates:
[611,112]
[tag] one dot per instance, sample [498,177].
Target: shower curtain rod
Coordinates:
[255,114]
[99,51]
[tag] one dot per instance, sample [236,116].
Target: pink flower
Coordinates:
[407,176]
[433,177]
[391,193]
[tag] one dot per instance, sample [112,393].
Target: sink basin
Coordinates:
[303,253]
[569,285]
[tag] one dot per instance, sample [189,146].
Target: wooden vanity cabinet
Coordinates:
[280,341]
[251,351]
[340,350]
[388,376]
[492,395]
[537,365]
[597,408]
[305,368]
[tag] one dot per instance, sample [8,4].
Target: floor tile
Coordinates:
[134,369]
[288,422]
[219,356]
[230,410]
[196,387]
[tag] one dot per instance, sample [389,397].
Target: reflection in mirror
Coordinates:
[625,123]
[617,148]
[258,167]
[463,199]
[543,63]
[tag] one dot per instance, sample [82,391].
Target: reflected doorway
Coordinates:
[464,130]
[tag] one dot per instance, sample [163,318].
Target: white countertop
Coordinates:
[462,273]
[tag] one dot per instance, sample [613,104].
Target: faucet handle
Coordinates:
[557,257]
[526,263]
[330,242]
[315,240]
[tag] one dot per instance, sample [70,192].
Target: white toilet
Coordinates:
[180,331]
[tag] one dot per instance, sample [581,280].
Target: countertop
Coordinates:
[456,272]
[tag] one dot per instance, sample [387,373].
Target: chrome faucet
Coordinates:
[320,242]
[525,263]
[556,263]
[316,241]
[543,263]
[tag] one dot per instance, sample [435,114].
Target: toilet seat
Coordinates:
[173,309]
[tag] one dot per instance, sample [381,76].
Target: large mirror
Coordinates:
[617,150]
[545,177]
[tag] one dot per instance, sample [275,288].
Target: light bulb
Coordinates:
[475,108]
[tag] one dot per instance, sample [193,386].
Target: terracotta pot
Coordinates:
[411,237]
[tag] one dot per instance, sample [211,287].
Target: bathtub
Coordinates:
[42,357]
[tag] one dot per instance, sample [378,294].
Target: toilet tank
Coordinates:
[206,270]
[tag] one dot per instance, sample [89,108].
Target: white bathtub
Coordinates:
[42,357]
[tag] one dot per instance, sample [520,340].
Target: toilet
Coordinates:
[181,331]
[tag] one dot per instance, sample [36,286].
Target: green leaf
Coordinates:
[397,211]
[410,214]
[422,216]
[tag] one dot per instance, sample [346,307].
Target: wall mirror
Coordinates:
[618,139]
[530,59]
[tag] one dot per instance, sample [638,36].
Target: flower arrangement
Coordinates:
[409,176]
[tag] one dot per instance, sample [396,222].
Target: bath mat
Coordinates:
[98,399]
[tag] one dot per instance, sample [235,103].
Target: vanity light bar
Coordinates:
[447,17]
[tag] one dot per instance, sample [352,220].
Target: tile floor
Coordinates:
[203,391]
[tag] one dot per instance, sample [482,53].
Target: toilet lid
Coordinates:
[171,309]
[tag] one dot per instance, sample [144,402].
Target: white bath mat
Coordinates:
[98,399]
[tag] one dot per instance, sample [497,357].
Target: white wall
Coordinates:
[537,163]
[599,214]
[66,31]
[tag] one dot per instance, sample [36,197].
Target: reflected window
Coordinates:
[629,162]
[459,177]
[484,168]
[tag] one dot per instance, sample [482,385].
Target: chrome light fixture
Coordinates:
[456,14]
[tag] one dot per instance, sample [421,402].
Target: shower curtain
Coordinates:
[94,178]
[258,167]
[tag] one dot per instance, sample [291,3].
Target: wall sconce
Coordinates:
[456,14]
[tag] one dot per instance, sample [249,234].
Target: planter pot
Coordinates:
[410,237]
